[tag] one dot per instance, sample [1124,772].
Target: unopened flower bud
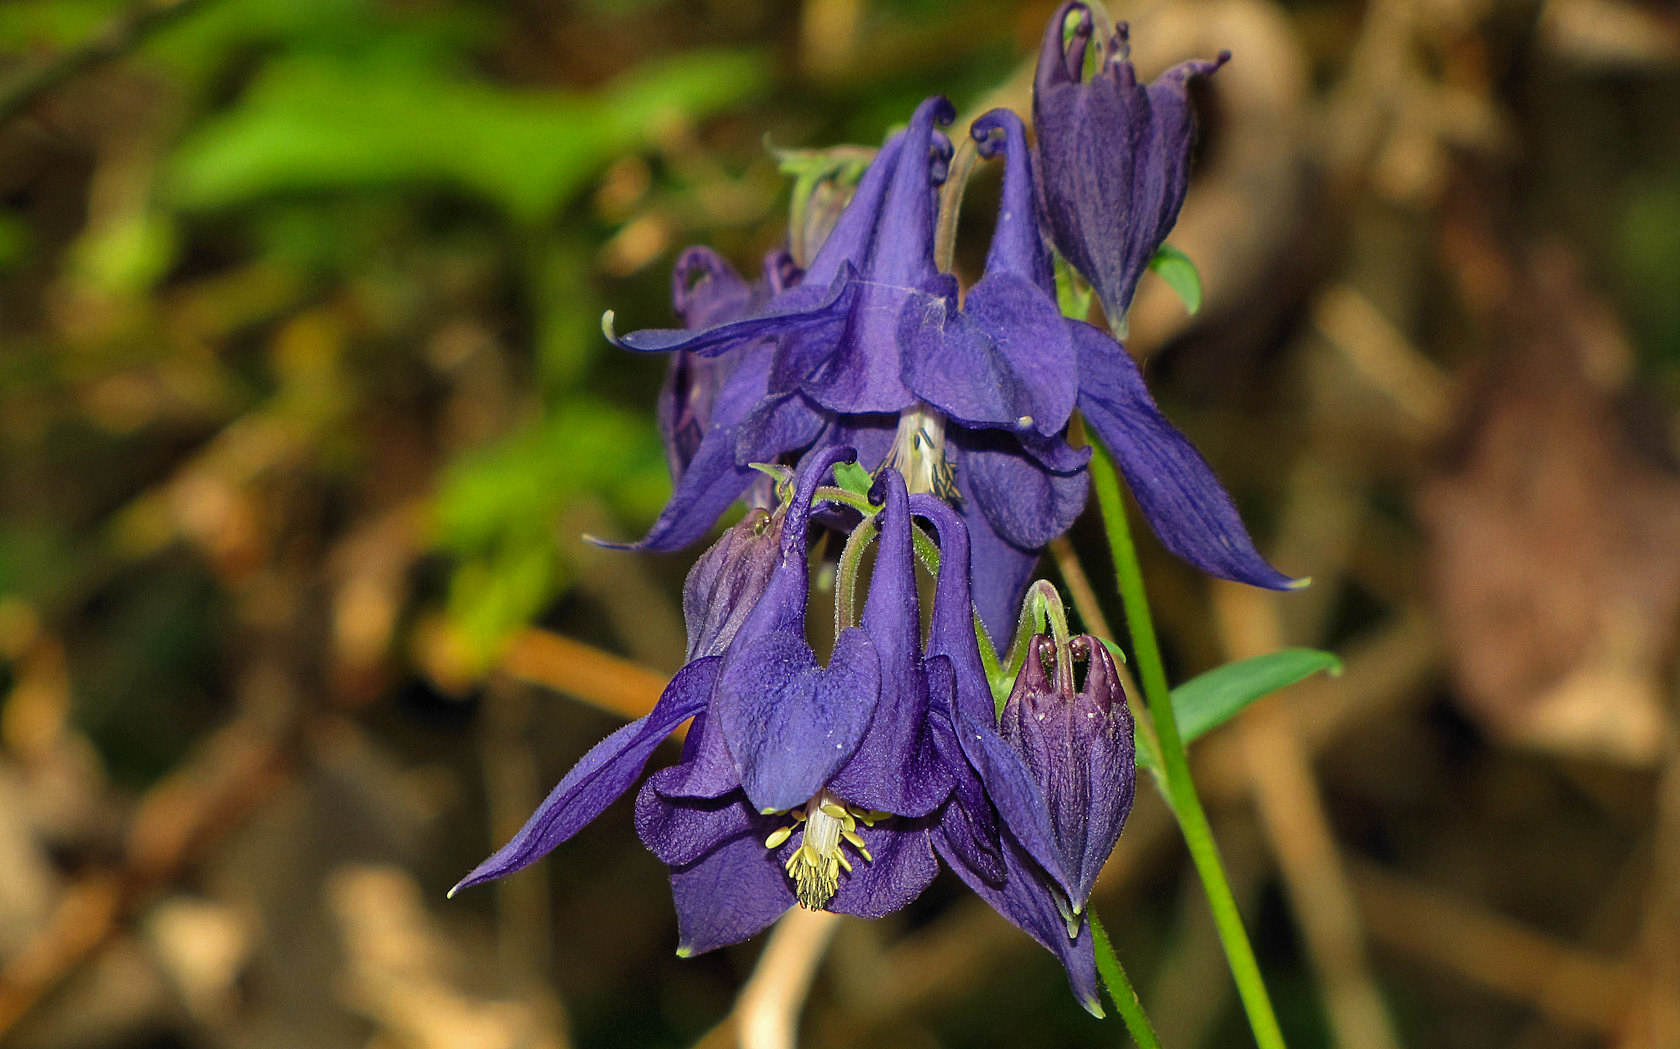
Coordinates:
[725,583]
[1076,741]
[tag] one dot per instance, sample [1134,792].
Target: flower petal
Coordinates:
[733,892]
[600,777]
[1028,903]
[903,866]
[682,830]
[1180,496]
[1002,569]
[951,632]
[706,770]
[1005,361]
[967,823]
[789,723]
[895,768]
[1027,504]
[801,308]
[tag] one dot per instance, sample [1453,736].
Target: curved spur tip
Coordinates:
[606,544]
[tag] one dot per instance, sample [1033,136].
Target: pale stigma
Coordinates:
[918,452]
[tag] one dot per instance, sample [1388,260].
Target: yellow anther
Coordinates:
[827,825]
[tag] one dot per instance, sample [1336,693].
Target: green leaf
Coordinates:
[852,477]
[1208,700]
[1179,272]
[323,125]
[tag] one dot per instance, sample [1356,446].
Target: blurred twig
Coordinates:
[1560,979]
[117,38]
[766,1012]
[231,774]
[598,678]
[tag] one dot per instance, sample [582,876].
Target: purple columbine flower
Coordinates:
[706,290]
[1059,771]
[799,782]
[803,783]
[1179,494]
[724,586]
[1114,154]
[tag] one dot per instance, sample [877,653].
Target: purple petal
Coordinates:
[706,770]
[1017,245]
[862,371]
[709,486]
[1001,569]
[968,823]
[789,723]
[848,243]
[903,251]
[731,893]
[1180,496]
[903,866]
[1027,504]
[1016,795]
[681,830]
[895,768]
[951,632]
[1030,905]
[779,424]
[600,777]
[802,308]
[1005,361]
[706,290]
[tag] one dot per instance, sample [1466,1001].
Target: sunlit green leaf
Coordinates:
[852,477]
[315,124]
[1208,700]
[1175,267]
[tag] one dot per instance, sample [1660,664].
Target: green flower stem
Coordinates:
[1120,988]
[1175,763]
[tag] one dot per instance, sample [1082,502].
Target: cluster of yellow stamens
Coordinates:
[828,823]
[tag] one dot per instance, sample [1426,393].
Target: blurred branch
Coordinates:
[234,772]
[117,38]
[1565,981]
[766,1013]
[583,671]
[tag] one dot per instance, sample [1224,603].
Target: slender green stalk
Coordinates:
[1120,988]
[1175,763]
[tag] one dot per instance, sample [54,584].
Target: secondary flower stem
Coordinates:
[1181,789]
[1120,989]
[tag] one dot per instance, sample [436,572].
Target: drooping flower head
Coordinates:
[803,782]
[1059,772]
[1114,154]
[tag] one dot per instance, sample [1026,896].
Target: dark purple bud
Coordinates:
[1077,745]
[705,290]
[725,583]
[1114,155]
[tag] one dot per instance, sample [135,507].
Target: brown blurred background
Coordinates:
[304,410]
